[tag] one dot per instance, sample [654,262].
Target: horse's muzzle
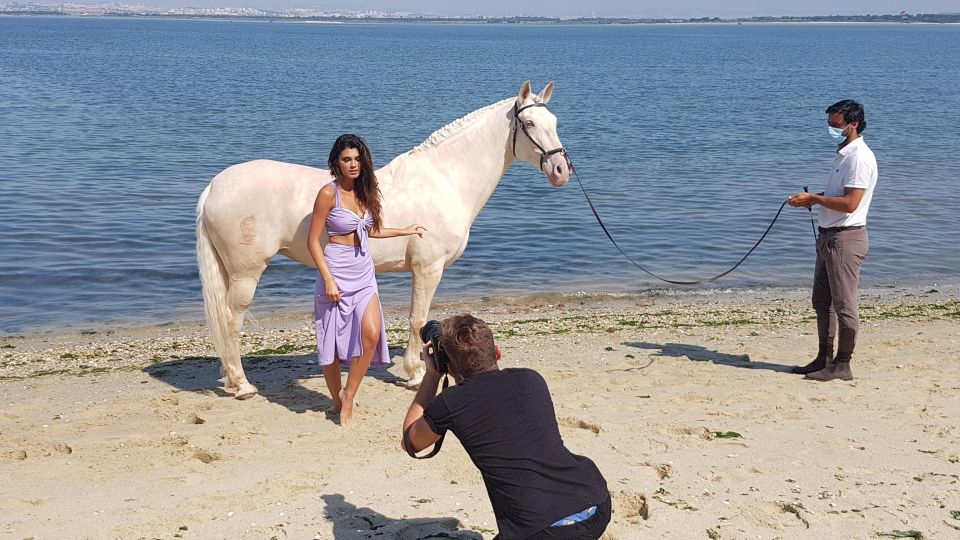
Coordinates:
[557,168]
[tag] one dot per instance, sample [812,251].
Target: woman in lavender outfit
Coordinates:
[349,318]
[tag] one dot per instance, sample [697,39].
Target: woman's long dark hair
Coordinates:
[365,189]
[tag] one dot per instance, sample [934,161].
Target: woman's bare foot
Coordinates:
[346,408]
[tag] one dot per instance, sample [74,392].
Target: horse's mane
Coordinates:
[456,126]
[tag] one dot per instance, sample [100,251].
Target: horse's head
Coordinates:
[535,138]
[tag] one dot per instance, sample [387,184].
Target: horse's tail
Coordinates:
[213,276]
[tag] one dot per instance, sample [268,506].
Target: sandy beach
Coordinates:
[685,403]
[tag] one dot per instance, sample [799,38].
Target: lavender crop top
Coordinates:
[341,221]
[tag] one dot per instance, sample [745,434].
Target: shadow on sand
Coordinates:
[352,523]
[277,377]
[702,354]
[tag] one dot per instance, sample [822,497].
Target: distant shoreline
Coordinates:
[98,12]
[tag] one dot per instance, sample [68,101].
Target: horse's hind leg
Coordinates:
[425,282]
[239,297]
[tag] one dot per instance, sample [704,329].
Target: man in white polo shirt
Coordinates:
[842,244]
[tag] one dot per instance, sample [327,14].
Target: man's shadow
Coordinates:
[277,377]
[352,523]
[702,354]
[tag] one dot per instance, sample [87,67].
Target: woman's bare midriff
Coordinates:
[349,240]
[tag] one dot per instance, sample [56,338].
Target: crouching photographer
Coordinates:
[505,420]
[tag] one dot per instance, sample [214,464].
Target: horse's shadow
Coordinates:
[278,378]
[352,523]
[702,354]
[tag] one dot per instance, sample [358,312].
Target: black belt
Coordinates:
[838,229]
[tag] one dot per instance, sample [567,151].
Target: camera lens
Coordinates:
[430,332]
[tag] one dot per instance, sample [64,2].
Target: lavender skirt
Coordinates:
[338,324]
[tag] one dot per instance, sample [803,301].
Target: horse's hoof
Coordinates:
[413,382]
[245,392]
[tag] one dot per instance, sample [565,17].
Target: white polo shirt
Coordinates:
[854,167]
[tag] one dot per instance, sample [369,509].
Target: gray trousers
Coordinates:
[836,288]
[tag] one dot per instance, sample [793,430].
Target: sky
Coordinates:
[599,8]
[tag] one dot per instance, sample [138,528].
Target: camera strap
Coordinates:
[436,445]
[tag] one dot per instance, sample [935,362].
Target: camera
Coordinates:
[430,333]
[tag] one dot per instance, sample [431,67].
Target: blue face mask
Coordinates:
[836,133]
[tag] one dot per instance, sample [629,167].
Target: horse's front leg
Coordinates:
[425,282]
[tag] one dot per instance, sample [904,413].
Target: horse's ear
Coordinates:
[524,92]
[546,93]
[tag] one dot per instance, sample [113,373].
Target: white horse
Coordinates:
[254,210]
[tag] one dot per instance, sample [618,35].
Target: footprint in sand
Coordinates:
[206,457]
[796,510]
[700,432]
[570,421]
[174,441]
[663,469]
[36,450]
[630,505]
[172,407]
[779,515]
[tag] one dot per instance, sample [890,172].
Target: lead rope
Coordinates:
[673,281]
[544,154]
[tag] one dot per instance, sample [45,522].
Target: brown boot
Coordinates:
[818,363]
[834,370]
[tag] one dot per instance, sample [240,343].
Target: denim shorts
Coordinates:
[573,519]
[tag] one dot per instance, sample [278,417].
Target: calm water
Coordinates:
[688,137]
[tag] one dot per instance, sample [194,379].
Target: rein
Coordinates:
[544,154]
[673,281]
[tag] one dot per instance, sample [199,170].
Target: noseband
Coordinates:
[544,153]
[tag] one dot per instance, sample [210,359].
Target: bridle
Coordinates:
[544,153]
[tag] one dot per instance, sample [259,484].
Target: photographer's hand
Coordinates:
[420,435]
[428,361]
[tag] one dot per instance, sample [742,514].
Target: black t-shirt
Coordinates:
[506,422]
